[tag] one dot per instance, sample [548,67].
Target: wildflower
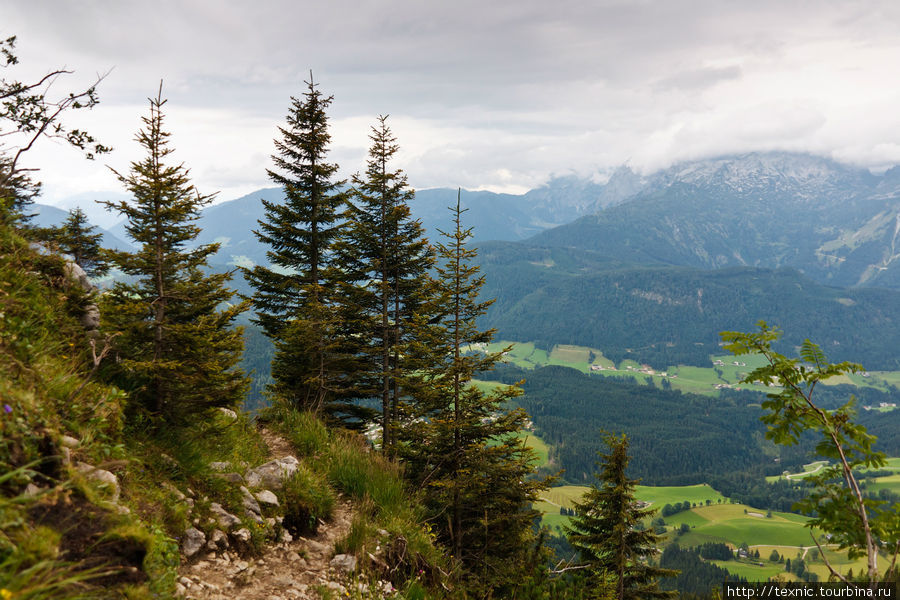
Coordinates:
[7,409]
[5,593]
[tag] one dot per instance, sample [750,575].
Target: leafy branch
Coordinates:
[853,521]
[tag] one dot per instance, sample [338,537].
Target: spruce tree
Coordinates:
[605,531]
[177,349]
[461,446]
[295,296]
[77,238]
[386,259]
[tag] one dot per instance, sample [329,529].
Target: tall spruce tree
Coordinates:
[605,531]
[177,350]
[295,297]
[386,259]
[460,445]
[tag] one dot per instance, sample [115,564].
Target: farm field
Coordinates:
[888,482]
[723,369]
[740,524]
[808,469]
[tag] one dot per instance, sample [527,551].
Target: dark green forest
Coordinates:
[677,438]
[673,315]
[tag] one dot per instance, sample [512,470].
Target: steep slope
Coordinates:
[99,499]
[835,223]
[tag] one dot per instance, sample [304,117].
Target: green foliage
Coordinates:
[360,476]
[294,297]
[30,111]
[852,520]
[386,258]
[178,351]
[389,514]
[460,443]
[676,438]
[76,237]
[604,531]
[653,313]
[307,497]
[308,435]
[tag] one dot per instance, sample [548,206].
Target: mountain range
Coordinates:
[657,264]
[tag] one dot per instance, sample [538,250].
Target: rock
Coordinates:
[229,414]
[336,587]
[345,563]
[267,497]
[193,540]
[242,535]
[67,441]
[226,520]
[250,503]
[272,474]
[77,275]
[104,478]
[234,478]
[180,590]
[217,540]
[175,491]
[220,467]
[32,490]
[285,536]
[90,318]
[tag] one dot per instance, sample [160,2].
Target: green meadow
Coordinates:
[723,369]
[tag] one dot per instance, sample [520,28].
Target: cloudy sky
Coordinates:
[485,95]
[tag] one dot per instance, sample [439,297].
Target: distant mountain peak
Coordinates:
[804,175]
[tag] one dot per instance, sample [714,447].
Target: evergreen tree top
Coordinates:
[162,195]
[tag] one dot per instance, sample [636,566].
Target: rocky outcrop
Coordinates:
[272,474]
[103,478]
[90,318]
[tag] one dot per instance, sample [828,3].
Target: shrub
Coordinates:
[306,498]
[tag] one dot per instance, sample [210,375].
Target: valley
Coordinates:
[710,517]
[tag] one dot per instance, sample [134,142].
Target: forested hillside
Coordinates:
[678,439]
[672,315]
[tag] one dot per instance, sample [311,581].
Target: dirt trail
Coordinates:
[285,571]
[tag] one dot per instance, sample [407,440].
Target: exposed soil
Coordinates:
[286,570]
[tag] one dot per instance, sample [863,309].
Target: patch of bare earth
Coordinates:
[285,570]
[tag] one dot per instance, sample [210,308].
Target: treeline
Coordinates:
[698,578]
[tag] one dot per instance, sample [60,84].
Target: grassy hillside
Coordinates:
[96,498]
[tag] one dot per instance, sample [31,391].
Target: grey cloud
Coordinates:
[699,79]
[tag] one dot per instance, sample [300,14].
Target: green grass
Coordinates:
[697,380]
[752,571]
[889,482]
[808,469]
[729,523]
[657,496]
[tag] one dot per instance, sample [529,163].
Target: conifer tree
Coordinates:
[605,531]
[461,446]
[386,258]
[177,350]
[77,238]
[294,298]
